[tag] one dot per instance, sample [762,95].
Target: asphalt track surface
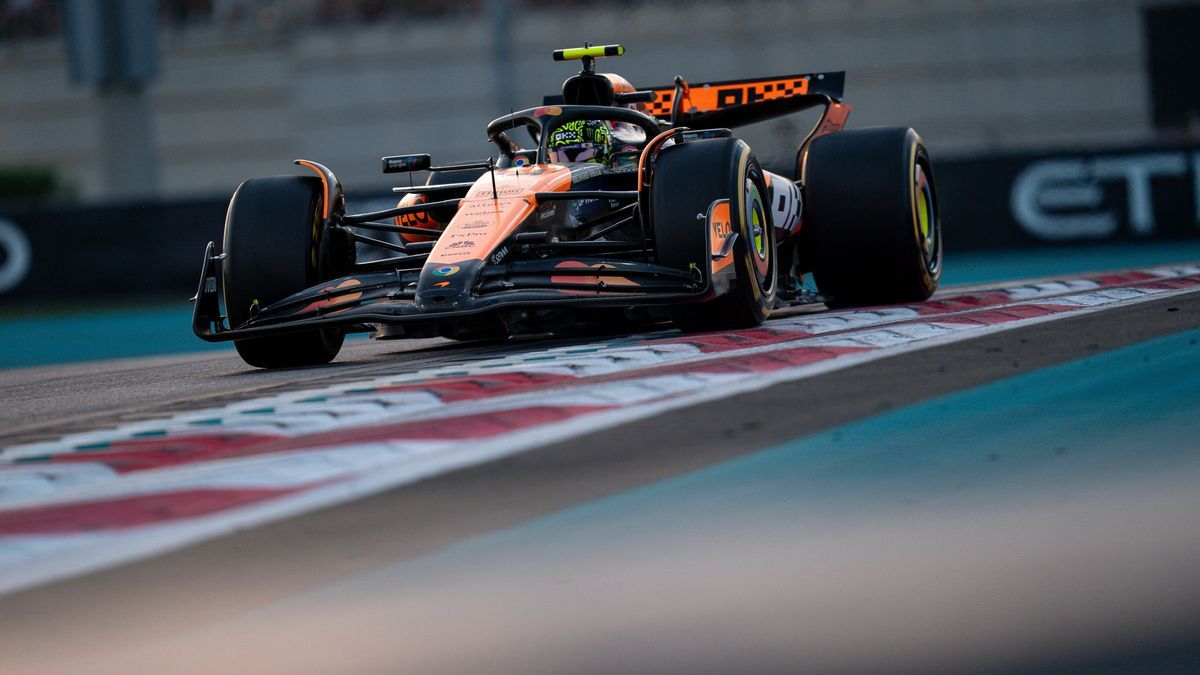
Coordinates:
[465,570]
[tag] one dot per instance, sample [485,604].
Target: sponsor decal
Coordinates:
[499,255]
[482,200]
[398,163]
[720,223]
[1089,197]
[520,161]
[786,204]
[702,135]
[445,270]
[460,245]
[713,96]
[752,93]
[582,172]
[720,220]
[441,284]
[480,208]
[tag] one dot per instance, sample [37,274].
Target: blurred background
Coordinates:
[126,124]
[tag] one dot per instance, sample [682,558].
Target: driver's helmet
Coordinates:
[580,141]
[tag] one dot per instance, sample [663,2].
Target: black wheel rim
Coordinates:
[927,225]
[759,240]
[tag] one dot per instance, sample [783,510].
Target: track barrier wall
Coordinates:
[68,253]
[130,251]
[1037,199]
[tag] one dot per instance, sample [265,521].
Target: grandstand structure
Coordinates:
[245,86]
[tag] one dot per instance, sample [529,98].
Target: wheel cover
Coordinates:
[756,219]
[927,222]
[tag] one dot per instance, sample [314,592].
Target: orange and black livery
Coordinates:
[606,205]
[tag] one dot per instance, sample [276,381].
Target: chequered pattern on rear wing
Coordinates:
[706,97]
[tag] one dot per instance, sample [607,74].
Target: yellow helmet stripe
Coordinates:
[594,52]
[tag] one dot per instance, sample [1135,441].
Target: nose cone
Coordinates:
[441,300]
[444,287]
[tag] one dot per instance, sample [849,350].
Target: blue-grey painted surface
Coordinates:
[981,267]
[93,335]
[1117,415]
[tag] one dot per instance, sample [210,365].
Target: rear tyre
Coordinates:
[872,229]
[687,179]
[272,235]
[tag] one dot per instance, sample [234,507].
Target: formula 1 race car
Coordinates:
[607,206]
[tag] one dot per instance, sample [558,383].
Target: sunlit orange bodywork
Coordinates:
[484,219]
[599,279]
[718,95]
[721,222]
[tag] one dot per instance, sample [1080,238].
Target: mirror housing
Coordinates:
[403,163]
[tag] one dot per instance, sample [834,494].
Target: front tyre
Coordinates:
[271,246]
[688,178]
[872,230]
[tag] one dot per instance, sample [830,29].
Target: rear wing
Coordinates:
[734,103]
[731,95]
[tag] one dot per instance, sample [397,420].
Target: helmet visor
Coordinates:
[578,152]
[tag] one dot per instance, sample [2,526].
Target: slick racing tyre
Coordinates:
[687,179]
[272,234]
[872,231]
